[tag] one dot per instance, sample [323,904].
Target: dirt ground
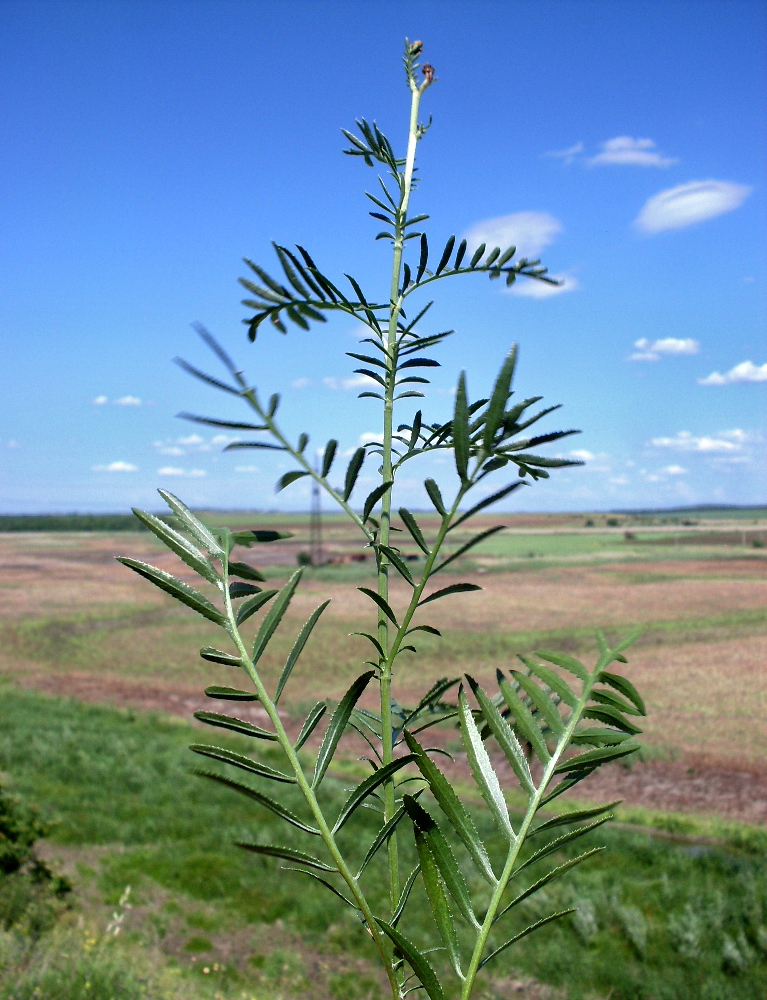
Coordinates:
[713,748]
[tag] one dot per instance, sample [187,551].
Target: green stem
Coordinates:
[308,792]
[516,847]
[385,679]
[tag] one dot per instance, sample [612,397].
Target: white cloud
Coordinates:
[725,441]
[675,470]
[370,437]
[688,203]
[246,468]
[116,467]
[583,455]
[100,401]
[648,350]
[127,401]
[566,155]
[625,150]
[353,382]
[532,289]
[191,443]
[746,371]
[529,232]
[300,383]
[171,470]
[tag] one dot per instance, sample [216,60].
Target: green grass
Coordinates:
[655,919]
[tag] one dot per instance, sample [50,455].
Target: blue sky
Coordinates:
[149,147]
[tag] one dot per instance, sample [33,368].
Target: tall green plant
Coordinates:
[537,716]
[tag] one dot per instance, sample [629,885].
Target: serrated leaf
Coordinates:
[528,930]
[237,590]
[446,255]
[469,545]
[523,718]
[611,716]
[382,604]
[365,787]
[568,818]
[352,471]
[555,845]
[552,679]
[504,736]
[262,800]
[373,497]
[542,702]
[452,807]
[230,693]
[412,526]
[609,698]
[380,839]
[310,724]
[594,758]
[423,259]
[435,692]
[236,725]
[298,648]
[249,537]
[555,873]
[477,255]
[204,377]
[176,588]
[337,725]
[398,563]
[482,769]
[274,616]
[245,571]
[461,429]
[424,628]
[443,856]
[252,605]
[417,962]
[454,588]
[288,478]
[217,656]
[244,763]
[328,456]
[177,543]
[566,662]
[494,498]
[287,854]
[435,893]
[500,394]
[626,688]
[194,526]
[435,496]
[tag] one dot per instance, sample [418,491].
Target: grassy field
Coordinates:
[653,913]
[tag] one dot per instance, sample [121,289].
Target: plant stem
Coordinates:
[307,790]
[385,678]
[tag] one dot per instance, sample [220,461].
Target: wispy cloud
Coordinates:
[300,383]
[192,443]
[350,383]
[533,289]
[529,232]
[651,350]
[566,155]
[100,401]
[246,468]
[689,203]
[746,371]
[674,470]
[172,470]
[12,443]
[116,467]
[724,441]
[625,150]
[122,401]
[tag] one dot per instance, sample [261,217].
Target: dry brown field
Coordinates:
[73,621]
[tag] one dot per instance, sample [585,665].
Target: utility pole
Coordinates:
[315,527]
